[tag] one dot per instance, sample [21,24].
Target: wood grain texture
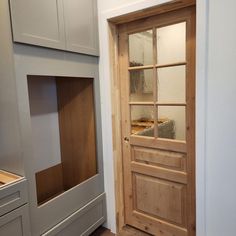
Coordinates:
[125,231]
[77,129]
[159,157]
[161,198]
[116,127]
[190,122]
[159,172]
[7,177]
[49,183]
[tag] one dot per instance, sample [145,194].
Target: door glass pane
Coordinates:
[141,85]
[142,122]
[171,43]
[171,122]
[171,84]
[141,48]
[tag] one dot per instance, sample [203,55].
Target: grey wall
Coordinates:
[10,146]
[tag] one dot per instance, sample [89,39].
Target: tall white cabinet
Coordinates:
[54,96]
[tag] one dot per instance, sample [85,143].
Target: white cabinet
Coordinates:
[15,223]
[38,22]
[12,196]
[81,26]
[61,24]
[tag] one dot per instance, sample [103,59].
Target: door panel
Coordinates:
[81,26]
[156,67]
[158,157]
[160,198]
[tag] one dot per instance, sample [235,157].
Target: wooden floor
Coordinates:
[128,231]
[102,232]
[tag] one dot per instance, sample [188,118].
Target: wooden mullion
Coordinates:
[170,104]
[183,63]
[140,67]
[155,78]
[142,103]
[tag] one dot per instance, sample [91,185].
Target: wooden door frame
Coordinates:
[112,57]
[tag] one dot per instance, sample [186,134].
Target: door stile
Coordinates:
[125,121]
[190,123]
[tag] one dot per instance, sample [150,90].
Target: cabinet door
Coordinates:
[81,26]
[16,222]
[38,22]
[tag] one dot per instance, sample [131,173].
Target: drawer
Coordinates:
[12,196]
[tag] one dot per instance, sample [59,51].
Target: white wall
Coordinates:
[221,117]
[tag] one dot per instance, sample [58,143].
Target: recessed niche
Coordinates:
[62,114]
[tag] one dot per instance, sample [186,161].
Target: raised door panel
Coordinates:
[16,222]
[12,196]
[81,26]
[158,157]
[38,22]
[160,198]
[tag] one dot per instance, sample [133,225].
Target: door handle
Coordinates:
[126,139]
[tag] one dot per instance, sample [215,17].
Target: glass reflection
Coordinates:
[171,43]
[171,84]
[141,85]
[142,122]
[141,48]
[171,122]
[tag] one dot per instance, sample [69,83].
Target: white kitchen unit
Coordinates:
[61,24]
[51,120]
[14,210]
[15,222]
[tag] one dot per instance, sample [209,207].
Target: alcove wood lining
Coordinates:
[76,118]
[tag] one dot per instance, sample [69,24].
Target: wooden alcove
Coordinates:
[75,111]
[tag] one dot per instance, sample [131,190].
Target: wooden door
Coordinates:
[157,75]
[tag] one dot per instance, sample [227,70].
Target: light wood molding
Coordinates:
[159,172]
[161,8]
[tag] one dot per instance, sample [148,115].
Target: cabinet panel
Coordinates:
[38,22]
[81,26]
[82,222]
[16,222]
[13,196]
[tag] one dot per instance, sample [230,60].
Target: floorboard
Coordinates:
[127,231]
